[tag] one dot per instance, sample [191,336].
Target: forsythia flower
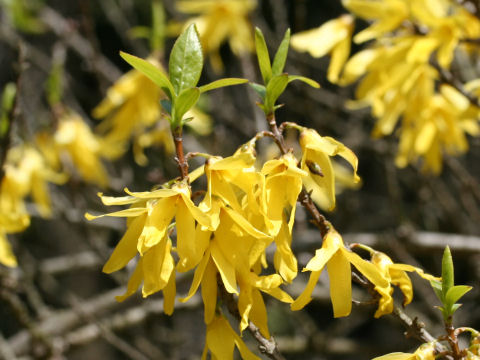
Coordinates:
[397,77]
[424,352]
[338,260]
[222,340]
[317,151]
[332,37]
[221,20]
[75,141]
[25,173]
[396,275]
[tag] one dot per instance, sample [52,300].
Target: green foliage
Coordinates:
[275,81]
[8,99]
[185,67]
[446,291]
[186,60]
[54,85]
[150,71]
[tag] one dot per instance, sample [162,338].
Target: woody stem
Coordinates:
[180,158]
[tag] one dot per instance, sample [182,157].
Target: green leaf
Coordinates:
[306,80]
[259,89]
[8,99]
[454,308]
[151,71]
[447,271]
[281,55]
[186,60]
[184,102]
[437,287]
[262,55]
[455,293]
[166,105]
[221,83]
[275,88]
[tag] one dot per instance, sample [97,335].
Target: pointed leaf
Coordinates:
[281,55]
[150,71]
[447,271]
[186,60]
[221,83]
[306,80]
[455,293]
[262,55]
[184,102]
[259,89]
[275,88]
[454,308]
[437,287]
[166,105]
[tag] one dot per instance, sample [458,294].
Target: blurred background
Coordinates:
[64,58]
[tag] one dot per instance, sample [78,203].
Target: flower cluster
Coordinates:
[224,237]
[26,173]
[402,72]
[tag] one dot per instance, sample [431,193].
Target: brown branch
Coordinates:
[180,158]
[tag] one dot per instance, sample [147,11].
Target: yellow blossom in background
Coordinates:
[76,145]
[316,153]
[219,21]
[333,37]
[424,352]
[338,260]
[398,75]
[27,172]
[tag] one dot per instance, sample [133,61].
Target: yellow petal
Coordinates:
[340,275]
[226,270]
[158,265]
[370,271]
[396,356]
[306,296]
[160,215]
[126,249]
[134,282]
[7,257]
[322,256]
[169,293]
[209,291]
[122,213]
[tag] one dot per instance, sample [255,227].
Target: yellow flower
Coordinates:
[338,260]
[234,250]
[221,20]
[332,37]
[27,172]
[317,151]
[387,16]
[396,275]
[132,104]
[283,184]
[222,340]
[75,142]
[153,212]
[424,352]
